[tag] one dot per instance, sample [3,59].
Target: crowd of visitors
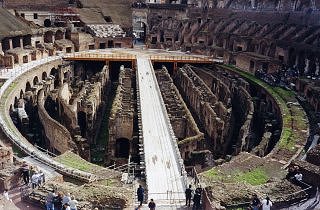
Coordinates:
[60,201]
[31,175]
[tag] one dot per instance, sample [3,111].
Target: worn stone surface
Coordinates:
[182,122]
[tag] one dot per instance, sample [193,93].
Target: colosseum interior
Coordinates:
[102,96]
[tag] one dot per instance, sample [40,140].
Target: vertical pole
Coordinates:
[128,171]
[175,67]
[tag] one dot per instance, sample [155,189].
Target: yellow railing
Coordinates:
[100,56]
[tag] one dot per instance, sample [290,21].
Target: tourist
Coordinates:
[291,173]
[34,180]
[66,199]
[57,201]
[49,200]
[298,176]
[73,203]
[140,194]
[6,195]
[152,205]
[197,199]
[266,204]
[66,206]
[25,172]
[41,178]
[188,193]
[255,202]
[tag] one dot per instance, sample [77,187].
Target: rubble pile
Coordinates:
[106,30]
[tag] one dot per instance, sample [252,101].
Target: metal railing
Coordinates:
[174,140]
[181,58]
[285,198]
[15,136]
[100,55]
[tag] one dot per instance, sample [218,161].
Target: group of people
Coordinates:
[196,197]
[189,194]
[256,204]
[32,174]
[140,194]
[60,201]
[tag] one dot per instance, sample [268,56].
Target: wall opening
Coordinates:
[82,122]
[122,148]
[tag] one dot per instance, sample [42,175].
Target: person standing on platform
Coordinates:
[188,193]
[152,205]
[25,172]
[140,194]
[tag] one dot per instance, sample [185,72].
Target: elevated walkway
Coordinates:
[165,173]
[122,54]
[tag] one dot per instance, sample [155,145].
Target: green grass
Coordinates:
[75,161]
[254,177]
[211,174]
[107,182]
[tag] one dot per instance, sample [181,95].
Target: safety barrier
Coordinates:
[15,136]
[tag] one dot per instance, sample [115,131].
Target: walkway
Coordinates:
[164,166]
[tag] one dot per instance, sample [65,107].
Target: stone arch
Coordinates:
[47,23]
[54,72]
[82,122]
[68,34]
[28,86]
[51,107]
[141,30]
[263,48]
[48,37]
[301,61]
[292,57]
[16,102]
[219,42]
[44,75]
[58,35]
[10,108]
[21,93]
[122,148]
[35,80]
[272,50]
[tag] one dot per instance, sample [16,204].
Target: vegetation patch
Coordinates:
[257,176]
[75,161]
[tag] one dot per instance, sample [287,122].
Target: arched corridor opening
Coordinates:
[54,72]
[140,31]
[44,75]
[122,148]
[82,122]
[47,23]
[35,80]
[52,108]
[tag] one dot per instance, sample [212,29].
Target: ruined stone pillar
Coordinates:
[1,51]
[175,67]
[317,67]
[306,68]
[21,42]
[53,38]
[10,44]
